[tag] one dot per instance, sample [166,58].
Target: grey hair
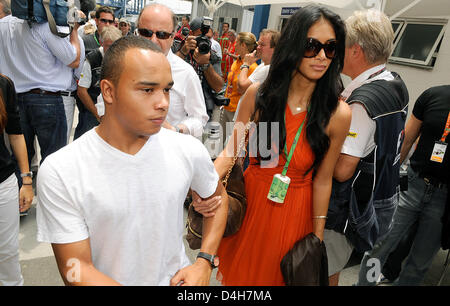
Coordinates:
[372,30]
[110,33]
[233,32]
[6,6]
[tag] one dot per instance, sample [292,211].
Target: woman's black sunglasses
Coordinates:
[313,47]
[149,33]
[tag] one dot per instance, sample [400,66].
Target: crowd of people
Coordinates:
[111,201]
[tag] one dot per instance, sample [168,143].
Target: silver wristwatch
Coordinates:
[27,174]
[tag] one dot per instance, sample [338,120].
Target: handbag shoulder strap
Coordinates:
[242,145]
[51,20]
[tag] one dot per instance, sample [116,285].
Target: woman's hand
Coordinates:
[206,207]
[26,196]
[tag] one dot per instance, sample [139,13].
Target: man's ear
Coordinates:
[356,51]
[107,88]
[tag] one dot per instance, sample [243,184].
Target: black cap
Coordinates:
[196,23]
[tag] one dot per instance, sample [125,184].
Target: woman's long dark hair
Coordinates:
[3,115]
[272,98]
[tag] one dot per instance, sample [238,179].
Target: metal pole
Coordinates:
[194,9]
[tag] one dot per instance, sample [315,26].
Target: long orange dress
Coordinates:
[252,256]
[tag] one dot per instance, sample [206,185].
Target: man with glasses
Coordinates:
[187,111]
[104,17]
[366,177]
[124,26]
[268,39]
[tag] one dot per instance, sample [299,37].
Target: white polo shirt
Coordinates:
[360,141]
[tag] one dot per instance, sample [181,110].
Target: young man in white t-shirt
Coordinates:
[111,202]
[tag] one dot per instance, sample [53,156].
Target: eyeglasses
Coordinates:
[313,47]
[107,20]
[159,34]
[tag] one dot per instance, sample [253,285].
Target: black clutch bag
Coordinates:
[306,264]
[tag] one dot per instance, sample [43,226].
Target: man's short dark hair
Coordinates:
[112,65]
[187,18]
[103,9]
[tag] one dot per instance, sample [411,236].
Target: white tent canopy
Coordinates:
[393,8]
[361,4]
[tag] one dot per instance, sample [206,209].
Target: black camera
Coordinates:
[203,42]
[220,100]
[212,98]
[185,31]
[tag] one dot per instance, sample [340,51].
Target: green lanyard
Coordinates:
[294,144]
[96,40]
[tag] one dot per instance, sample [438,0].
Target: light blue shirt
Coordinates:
[34,57]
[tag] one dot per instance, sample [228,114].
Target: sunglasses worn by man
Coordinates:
[110,21]
[149,33]
[313,47]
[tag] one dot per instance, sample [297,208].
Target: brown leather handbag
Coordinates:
[306,264]
[237,203]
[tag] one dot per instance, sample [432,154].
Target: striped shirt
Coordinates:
[34,57]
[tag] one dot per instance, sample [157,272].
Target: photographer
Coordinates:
[196,50]
[43,67]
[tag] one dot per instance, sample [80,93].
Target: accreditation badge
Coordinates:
[438,152]
[278,189]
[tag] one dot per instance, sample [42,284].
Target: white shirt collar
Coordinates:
[363,78]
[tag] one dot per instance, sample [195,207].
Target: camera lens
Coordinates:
[185,31]
[203,44]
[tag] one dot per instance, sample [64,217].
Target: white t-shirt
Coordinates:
[260,73]
[129,206]
[86,73]
[215,46]
[360,141]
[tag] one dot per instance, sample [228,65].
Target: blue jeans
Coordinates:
[43,116]
[86,122]
[425,204]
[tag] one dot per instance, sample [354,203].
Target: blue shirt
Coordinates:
[34,57]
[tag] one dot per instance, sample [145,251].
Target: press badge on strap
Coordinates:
[441,146]
[438,152]
[279,188]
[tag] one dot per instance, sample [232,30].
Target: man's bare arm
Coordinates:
[87,101]
[76,267]
[199,273]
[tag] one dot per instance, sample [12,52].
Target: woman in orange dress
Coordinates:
[301,90]
[245,44]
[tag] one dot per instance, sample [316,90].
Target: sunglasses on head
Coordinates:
[313,47]
[149,33]
[107,21]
